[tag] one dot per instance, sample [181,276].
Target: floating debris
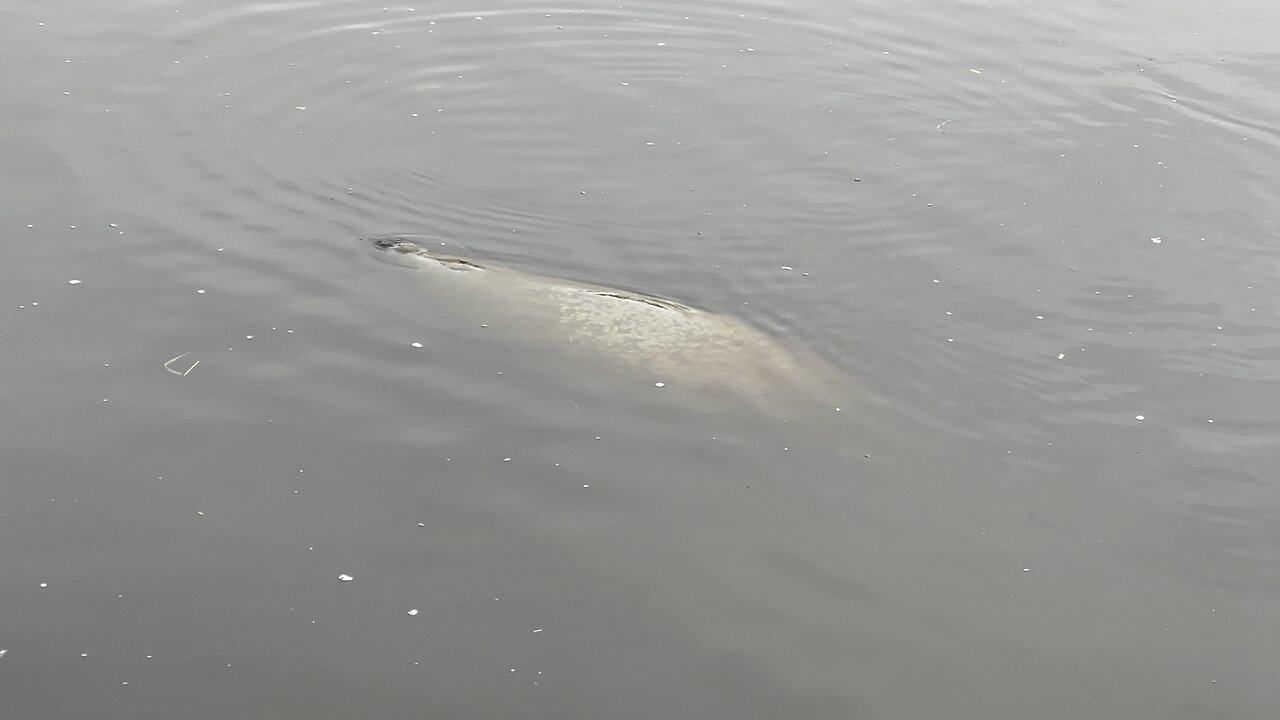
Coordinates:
[345,578]
[183,373]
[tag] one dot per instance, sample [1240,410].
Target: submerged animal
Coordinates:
[667,342]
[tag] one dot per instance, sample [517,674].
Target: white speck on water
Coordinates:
[538,630]
[659,384]
[44,584]
[300,107]
[412,612]
[3,652]
[200,291]
[345,578]
[1139,417]
[506,459]
[787,267]
[1039,317]
[1026,569]
[1155,240]
[976,71]
[415,344]
[74,282]
[1210,419]
[422,524]
[662,44]
[1061,355]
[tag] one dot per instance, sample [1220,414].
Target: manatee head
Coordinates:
[411,251]
[396,242]
[396,249]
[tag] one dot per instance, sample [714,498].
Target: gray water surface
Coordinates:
[1036,241]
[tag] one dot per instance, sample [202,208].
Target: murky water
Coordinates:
[1036,243]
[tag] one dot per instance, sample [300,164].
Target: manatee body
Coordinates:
[661,340]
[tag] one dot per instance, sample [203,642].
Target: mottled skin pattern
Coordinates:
[662,340]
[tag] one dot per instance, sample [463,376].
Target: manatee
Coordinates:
[656,339]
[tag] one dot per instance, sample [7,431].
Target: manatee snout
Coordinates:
[393,246]
[393,242]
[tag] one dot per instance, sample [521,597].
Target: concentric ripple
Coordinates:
[840,175]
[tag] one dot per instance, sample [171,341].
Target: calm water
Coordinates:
[1036,241]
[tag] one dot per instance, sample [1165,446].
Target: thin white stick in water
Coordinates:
[171,361]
